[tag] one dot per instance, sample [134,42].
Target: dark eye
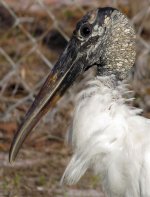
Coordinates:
[86,30]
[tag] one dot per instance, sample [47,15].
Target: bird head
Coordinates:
[103,37]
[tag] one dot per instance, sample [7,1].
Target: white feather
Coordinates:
[111,138]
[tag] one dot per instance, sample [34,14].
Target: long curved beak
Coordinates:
[68,67]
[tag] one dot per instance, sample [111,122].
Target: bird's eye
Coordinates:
[86,30]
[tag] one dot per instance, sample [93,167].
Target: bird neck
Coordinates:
[109,83]
[121,74]
[108,75]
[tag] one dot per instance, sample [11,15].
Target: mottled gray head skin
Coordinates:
[111,44]
[119,46]
[103,37]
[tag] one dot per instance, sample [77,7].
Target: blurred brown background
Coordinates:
[33,33]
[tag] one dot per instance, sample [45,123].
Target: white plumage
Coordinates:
[112,138]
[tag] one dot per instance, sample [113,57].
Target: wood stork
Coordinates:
[107,135]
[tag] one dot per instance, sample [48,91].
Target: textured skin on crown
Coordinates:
[119,46]
[111,45]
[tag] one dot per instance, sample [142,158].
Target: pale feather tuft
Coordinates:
[111,138]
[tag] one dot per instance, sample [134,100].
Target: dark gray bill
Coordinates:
[68,67]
